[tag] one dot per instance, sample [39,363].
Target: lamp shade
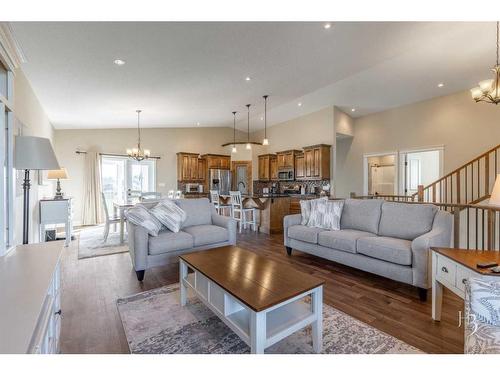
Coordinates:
[34,153]
[57,174]
[495,193]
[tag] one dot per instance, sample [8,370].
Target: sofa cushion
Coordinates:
[304,233]
[305,208]
[198,211]
[207,234]
[326,214]
[405,220]
[390,249]
[168,241]
[344,240]
[140,215]
[361,214]
[169,214]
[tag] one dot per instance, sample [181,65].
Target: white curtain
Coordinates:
[92,201]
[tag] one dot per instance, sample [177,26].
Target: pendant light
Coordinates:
[265,142]
[489,90]
[234,150]
[137,153]
[249,146]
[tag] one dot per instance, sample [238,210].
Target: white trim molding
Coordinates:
[11,54]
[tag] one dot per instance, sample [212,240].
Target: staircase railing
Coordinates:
[469,184]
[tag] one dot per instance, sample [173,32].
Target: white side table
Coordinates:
[451,268]
[56,211]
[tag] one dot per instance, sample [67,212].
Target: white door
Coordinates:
[420,168]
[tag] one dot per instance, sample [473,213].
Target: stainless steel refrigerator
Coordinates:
[220,180]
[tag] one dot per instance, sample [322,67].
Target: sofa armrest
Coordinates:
[439,236]
[138,245]
[226,222]
[288,221]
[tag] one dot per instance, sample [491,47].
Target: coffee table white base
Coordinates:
[258,329]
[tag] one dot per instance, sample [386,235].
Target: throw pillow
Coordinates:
[169,214]
[326,214]
[485,301]
[305,209]
[140,216]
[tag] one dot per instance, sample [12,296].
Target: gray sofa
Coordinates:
[386,238]
[203,229]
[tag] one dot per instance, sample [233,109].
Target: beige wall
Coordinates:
[463,127]
[163,142]
[30,120]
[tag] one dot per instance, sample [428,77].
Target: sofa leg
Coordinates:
[140,275]
[422,294]
[288,250]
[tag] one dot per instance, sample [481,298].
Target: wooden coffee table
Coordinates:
[262,301]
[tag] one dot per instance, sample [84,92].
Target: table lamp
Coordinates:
[495,193]
[58,174]
[32,153]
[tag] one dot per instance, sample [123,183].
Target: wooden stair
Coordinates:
[469,184]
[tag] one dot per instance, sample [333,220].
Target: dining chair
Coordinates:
[150,196]
[133,193]
[109,219]
[239,213]
[170,194]
[219,207]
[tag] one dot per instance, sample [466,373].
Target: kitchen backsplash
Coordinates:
[281,186]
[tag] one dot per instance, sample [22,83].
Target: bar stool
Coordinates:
[170,194]
[239,213]
[219,207]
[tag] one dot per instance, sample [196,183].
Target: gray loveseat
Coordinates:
[386,238]
[203,229]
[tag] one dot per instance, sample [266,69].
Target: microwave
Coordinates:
[286,175]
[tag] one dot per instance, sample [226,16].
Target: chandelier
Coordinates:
[137,153]
[489,90]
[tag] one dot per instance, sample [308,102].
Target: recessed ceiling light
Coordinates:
[327,25]
[248,79]
[299,104]
[353,109]
[440,84]
[119,62]
[198,124]
[262,119]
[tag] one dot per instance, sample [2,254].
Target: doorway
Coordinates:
[121,175]
[381,174]
[420,167]
[242,176]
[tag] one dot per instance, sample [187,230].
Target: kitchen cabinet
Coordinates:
[189,167]
[217,161]
[202,169]
[299,166]
[268,169]
[317,162]
[286,159]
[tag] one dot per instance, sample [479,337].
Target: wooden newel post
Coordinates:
[352,194]
[420,193]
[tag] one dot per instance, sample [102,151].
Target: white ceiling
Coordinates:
[184,73]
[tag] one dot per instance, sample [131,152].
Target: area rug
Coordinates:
[91,243]
[155,323]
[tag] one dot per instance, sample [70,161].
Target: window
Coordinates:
[6,162]
[121,175]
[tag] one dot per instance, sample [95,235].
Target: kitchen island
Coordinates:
[272,208]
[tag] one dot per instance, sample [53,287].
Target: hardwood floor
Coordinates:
[90,287]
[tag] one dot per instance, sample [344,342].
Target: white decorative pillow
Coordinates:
[169,214]
[485,301]
[326,214]
[139,215]
[305,209]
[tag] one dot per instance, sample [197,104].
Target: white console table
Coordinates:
[30,302]
[56,211]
